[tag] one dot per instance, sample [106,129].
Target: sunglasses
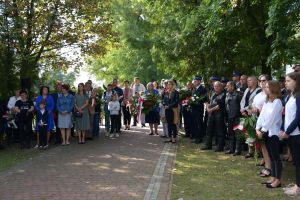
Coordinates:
[263,80]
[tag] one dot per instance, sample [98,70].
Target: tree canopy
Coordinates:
[184,38]
[150,39]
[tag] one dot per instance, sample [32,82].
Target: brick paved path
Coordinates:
[102,169]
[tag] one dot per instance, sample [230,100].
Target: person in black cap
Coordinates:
[236,79]
[198,110]
[224,81]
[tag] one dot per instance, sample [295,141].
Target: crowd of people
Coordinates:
[211,115]
[272,105]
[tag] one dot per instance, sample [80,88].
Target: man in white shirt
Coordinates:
[12,100]
[137,87]
[12,124]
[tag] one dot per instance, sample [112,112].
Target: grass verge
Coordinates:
[207,175]
[12,155]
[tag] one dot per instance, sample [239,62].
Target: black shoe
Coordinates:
[206,148]
[229,152]
[270,186]
[163,136]
[237,153]
[151,134]
[134,125]
[265,183]
[167,141]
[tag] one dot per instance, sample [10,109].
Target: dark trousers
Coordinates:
[231,135]
[114,120]
[25,129]
[197,123]
[96,124]
[294,144]
[43,135]
[215,125]
[172,127]
[126,115]
[119,121]
[273,145]
[135,121]
[58,138]
[187,120]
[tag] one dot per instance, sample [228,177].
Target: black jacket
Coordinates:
[171,99]
[42,117]
[201,91]
[232,102]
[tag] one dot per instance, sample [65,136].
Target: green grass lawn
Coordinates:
[13,155]
[209,175]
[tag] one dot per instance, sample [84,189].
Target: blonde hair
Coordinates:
[172,83]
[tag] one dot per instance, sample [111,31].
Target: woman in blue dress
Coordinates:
[152,117]
[44,95]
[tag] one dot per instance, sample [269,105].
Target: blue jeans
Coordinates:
[107,118]
[96,124]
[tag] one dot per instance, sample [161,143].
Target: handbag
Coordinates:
[77,114]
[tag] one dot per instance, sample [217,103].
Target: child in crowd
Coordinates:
[162,115]
[42,120]
[114,108]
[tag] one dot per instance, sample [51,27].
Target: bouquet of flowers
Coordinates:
[195,99]
[247,128]
[133,105]
[149,102]
[184,95]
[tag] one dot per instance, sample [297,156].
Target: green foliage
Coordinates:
[35,34]
[184,38]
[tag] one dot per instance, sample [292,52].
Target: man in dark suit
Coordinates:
[55,96]
[198,110]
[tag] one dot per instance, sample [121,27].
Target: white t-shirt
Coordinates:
[270,118]
[259,100]
[12,101]
[290,115]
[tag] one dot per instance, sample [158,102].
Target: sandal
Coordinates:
[265,172]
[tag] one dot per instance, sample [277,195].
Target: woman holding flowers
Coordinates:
[268,127]
[152,115]
[170,102]
[291,127]
[126,103]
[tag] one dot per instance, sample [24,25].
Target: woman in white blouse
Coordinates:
[257,105]
[268,127]
[291,128]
